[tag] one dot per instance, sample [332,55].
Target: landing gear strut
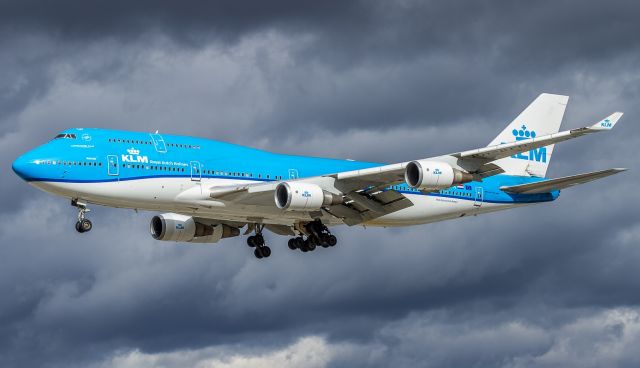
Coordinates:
[83,224]
[257,241]
[318,235]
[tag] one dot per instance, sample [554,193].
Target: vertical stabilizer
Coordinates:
[543,116]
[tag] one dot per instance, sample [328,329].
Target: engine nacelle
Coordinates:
[297,196]
[181,228]
[433,175]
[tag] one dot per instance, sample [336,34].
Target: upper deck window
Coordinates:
[65,135]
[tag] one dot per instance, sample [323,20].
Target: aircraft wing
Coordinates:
[367,192]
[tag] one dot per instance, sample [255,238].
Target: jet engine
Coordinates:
[433,175]
[297,196]
[181,228]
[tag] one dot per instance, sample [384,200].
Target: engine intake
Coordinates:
[433,175]
[297,196]
[181,228]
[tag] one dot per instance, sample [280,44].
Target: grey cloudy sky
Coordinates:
[551,285]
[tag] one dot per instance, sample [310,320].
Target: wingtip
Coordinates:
[607,123]
[616,116]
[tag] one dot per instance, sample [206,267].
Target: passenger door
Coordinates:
[196,173]
[479,197]
[159,143]
[293,174]
[112,165]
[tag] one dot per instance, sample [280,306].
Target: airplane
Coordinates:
[210,190]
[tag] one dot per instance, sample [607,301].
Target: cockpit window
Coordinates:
[65,135]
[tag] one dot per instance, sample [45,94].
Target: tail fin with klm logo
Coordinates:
[542,117]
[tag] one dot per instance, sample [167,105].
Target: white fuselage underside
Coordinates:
[162,194]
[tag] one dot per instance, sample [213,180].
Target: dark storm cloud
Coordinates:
[357,52]
[160,297]
[383,81]
[189,20]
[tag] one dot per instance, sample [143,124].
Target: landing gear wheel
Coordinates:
[311,245]
[305,246]
[332,240]
[324,241]
[85,225]
[266,251]
[319,235]
[292,244]
[258,240]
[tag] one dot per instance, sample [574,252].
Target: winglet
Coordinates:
[607,123]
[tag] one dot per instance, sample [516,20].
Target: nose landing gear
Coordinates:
[83,224]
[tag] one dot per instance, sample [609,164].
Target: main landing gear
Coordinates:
[313,234]
[83,224]
[257,241]
[318,235]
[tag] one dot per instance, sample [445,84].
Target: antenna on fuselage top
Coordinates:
[156,132]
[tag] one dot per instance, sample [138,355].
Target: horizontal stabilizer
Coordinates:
[547,186]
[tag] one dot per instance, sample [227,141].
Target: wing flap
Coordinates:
[361,206]
[547,186]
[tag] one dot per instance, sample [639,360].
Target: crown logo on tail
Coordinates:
[523,133]
[536,154]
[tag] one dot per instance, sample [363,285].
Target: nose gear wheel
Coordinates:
[83,224]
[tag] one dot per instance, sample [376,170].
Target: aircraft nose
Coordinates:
[20,167]
[25,166]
